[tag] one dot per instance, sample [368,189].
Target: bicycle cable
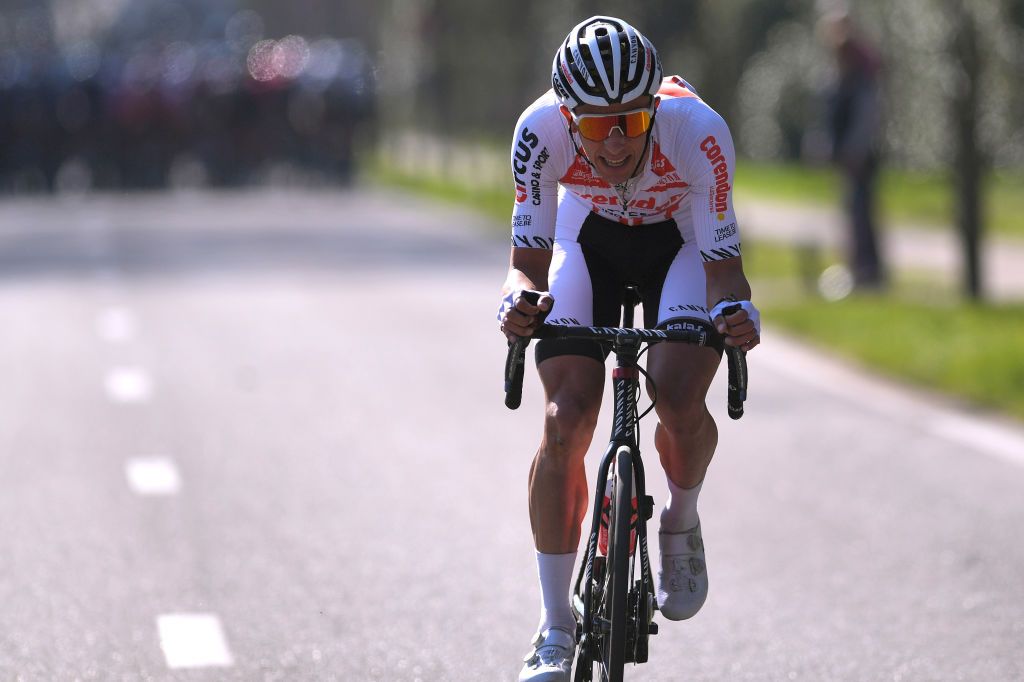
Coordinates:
[653,393]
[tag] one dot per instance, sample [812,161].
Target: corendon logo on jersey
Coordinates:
[639,207]
[720,193]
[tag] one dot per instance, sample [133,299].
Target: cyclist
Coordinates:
[621,177]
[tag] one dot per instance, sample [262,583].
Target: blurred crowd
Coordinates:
[151,108]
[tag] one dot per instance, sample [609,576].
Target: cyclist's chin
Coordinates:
[616,171]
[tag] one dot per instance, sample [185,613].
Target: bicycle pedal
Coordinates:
[648,507]
[652,628]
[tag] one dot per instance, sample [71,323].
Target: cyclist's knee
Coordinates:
[573,386]
[568,428]
[683,411]
[682,379]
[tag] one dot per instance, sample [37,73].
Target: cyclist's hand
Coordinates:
[742,328]
[521,318]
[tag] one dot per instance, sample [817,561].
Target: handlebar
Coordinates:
[515,361]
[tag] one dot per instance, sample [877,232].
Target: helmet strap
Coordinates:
[572,138]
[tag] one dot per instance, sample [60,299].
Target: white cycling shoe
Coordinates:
[683,578]
[551,658]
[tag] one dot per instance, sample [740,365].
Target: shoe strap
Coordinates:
[688,542]
[552,637]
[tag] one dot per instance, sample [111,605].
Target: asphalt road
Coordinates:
[260,436]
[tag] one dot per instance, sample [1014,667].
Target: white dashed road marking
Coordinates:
[128,385]
[116,325]
[153,476]
[193,640]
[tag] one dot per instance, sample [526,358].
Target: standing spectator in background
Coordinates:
[854,123]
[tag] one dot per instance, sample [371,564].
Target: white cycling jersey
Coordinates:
[687,178]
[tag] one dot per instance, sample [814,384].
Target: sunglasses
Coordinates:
[597,127]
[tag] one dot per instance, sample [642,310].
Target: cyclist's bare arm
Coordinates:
[528,271]
[726,280]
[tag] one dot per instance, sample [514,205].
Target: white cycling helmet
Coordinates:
[604,61]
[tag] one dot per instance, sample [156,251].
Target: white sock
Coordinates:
[555,571]
[680,514]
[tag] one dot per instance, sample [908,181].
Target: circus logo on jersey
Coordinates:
[523,152]
[580,173]
[719,196]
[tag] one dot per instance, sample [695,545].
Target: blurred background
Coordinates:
[213,91]
[112,94]
[881,154]
[215,465]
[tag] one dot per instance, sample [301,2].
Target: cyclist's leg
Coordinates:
[572,376]
[685,437]
[572,373]
[558,484]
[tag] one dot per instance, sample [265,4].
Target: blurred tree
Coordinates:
[968,160]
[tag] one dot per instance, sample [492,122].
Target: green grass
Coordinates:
[492,201]
[959,349]
[922,332]
[925,198]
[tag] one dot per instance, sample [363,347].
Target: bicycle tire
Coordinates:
[618,564]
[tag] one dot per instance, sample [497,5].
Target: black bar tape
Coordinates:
[737,360]
[514,366]
[737,380]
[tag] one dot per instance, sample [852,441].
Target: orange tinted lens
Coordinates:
[597,127]
[600,127]
[637,123]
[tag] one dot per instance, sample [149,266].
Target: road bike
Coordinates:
[614,599]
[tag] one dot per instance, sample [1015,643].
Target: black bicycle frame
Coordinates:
[625,382]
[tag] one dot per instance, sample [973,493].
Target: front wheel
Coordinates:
[619,564]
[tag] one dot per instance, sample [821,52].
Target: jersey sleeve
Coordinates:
[535,157]
[711,165]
